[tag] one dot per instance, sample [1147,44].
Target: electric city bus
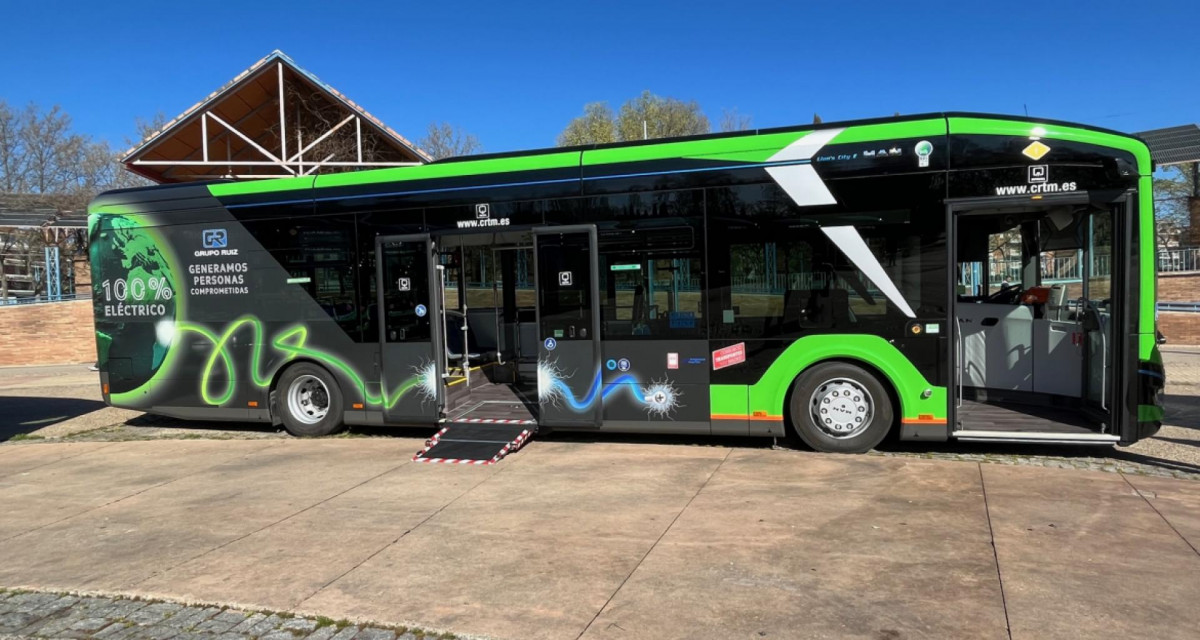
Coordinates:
[936,277]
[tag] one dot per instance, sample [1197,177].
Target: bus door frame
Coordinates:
[396,358]
[1119,387]
[549,405]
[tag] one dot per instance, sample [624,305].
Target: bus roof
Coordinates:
[754,145]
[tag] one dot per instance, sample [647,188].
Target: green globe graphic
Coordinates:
[126,255]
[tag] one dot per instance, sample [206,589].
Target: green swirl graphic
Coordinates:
[291,342]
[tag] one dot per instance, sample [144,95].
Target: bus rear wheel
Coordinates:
[309,401]
[840,408]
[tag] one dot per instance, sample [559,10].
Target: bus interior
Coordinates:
[489,325]
[1035,350]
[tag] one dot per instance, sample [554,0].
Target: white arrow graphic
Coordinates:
[801,181]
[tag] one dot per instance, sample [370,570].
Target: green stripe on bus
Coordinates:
[769,392]
[540,161]
[251,187]
[1149,413]
[729,400]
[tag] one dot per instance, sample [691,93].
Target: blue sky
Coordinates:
[514,73]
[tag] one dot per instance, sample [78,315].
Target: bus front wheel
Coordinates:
[840,408]
[309,401]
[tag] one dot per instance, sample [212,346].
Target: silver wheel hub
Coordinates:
[842,408]
[308,399]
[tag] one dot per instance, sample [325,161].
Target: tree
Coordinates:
[644,117]
[444,140]
[731,120]
[597,125]
[650,116]
[44,164]
[1171,194]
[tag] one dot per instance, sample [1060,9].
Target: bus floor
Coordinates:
[487,399]
[1013,417]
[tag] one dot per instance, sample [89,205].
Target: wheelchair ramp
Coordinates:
[485,442]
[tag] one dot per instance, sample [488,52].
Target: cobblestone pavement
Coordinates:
[32,614]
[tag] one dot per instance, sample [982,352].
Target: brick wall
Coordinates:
[1179,288]
[55,333]
[1180,328]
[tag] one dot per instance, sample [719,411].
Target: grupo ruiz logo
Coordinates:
[216,243]
[215,239]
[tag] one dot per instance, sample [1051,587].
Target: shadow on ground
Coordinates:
[23,414]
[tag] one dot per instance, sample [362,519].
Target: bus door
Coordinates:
[568,320]
[1101,308]
[409,341]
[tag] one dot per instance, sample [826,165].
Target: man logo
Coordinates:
[483,211]
[215,239]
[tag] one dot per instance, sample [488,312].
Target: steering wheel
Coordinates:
[1006,295]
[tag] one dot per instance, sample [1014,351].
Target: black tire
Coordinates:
[316,409]
[837,390]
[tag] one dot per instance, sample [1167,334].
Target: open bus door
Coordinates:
[409,341]
[1026,369]
[568,320]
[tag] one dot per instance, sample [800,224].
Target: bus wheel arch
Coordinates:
[859,389]
[307,399]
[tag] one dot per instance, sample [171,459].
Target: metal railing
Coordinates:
[1180,307]
[43,299]
[1179,260]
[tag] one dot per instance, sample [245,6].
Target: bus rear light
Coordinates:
[253,403]
[104,388]
[357,405]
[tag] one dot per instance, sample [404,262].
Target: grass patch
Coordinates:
[323,621]
[26,436]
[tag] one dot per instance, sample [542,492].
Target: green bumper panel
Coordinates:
[767,395]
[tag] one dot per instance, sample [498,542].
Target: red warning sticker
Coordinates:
[729,356]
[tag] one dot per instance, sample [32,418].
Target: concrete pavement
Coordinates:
[608,540]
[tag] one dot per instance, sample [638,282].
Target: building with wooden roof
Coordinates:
[272,120]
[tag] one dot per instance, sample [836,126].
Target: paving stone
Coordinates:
[117,631]
[191,617]
[222,622]
[267,624]
[278,634]
[154,613]
[245,626]
[346,633]
[299,626]
[124,608]
[51,626]
[57,605]
[28,602]
[376,634]
[324,633]
[158,632]
[91,624]
[15,620]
